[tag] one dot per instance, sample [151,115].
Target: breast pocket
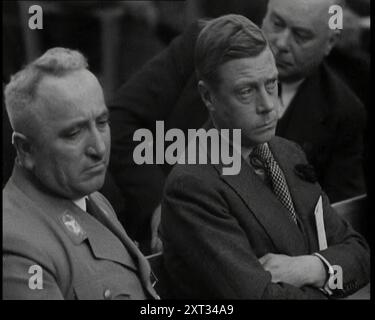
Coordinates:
[104,288]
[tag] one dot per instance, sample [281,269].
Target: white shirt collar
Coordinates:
[81,203]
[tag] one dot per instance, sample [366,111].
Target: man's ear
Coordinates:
[332,40]
[206,94]
[23,146]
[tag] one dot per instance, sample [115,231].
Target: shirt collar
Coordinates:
[289,90]
[81,203]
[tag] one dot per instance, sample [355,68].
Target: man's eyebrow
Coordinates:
[242,83]
[295,28]
[305,31]
[254,83]
[105,113]
[277,16]
[83,122]
[75,124]
[273,76]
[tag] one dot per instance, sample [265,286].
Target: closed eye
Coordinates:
[302,37]
[278,23]
[72,134]
[102,122]
[246,91]
[271,85]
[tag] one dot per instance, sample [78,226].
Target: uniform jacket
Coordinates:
[215,227]
[81,255]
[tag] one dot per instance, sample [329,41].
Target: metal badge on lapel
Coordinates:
[73,226]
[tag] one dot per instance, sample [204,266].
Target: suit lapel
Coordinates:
[305,114]
[263,204]
[104,244]
[305,194]
[106,219]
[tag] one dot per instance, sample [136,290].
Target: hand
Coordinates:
[156,244]
[297,271]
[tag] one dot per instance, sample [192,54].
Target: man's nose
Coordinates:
[96,146]
[282,40]
[266,102]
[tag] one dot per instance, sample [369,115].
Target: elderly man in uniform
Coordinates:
[62,239]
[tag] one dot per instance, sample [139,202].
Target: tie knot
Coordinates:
[262,152]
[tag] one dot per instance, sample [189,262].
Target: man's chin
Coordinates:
[289,77]
[88,187]
[266,137]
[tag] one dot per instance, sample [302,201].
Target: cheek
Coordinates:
[107,141]
[272,39]
[66,161]
[244,115]
[306,55]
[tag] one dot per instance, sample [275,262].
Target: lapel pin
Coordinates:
[73,226]
[306,172]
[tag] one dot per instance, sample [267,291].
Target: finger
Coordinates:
[156,245]
[265,258]
[262,260]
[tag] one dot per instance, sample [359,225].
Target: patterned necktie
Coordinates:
[279,185]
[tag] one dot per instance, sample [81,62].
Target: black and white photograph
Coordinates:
[190,150]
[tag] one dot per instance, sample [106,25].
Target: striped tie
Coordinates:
[279,185]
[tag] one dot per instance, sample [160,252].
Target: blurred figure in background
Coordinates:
[317,110]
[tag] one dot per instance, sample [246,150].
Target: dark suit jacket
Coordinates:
[328,121]
[215,228]
[97,260]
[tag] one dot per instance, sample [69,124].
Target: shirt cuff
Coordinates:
[330,272]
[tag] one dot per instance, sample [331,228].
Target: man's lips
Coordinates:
[97,167]
[281,63]
[267,126]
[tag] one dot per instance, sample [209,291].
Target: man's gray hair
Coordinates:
[21,92]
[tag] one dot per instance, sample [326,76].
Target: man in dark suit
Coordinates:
[62,239]
[321,112]
[268,232]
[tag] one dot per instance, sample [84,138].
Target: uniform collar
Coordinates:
[81,203]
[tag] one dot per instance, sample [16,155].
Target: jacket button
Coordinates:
[107,294]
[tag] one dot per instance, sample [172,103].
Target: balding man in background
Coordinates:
[317,110]
[61,238]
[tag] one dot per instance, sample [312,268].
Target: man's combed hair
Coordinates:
[20,93]
[223,39]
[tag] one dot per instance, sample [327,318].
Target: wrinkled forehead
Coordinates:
[309,14]
[74,94]
[259,68]
[74,85]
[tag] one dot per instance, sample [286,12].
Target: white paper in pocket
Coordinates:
[320,225]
